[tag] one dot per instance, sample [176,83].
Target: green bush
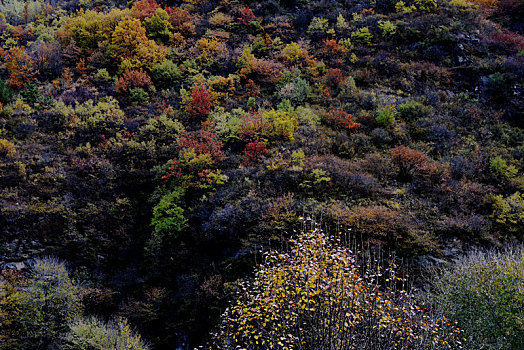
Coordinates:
[308,116]
[296,91]
[138,97]
[158,27]
[501,170]
[281,125]
[6,94]
[39,309]
[412,110]
[166,74]
[426,5]
[342,24]
[31,95]
[386,115]
[92,120]
[227,125]
[318,25]
[164,131]
[387,28]
[103,76]
[508,213]
[362,36]
[168,220]
[93,334]
[484,293]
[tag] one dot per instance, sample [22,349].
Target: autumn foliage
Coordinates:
[212,127]
[246,16]
[144,9]
[131,48]
[255,151]
[136,78]
[507,40]
[181,20]
[196,165]
[333,47]
[316,296]
[204,142]
[340,120]
[20,68]
[200,105]
[412,162]
[333,78]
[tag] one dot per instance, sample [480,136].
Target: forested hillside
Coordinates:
[152,152]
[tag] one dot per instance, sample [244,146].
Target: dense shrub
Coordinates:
[160,145]
[268,125]
[200,105]
[168,220]
[131,48]
[90,28]
[7,148]
[17,12]
[6,94]
[483,292]
[412,162]
[508,213]
[501,170]
[91,333]
[412,110]
[38,310]
[197,163]
[380,136]
[90,121]
[166,73]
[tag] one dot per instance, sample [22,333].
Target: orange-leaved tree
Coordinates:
[133,79]
[181,20]
[20,68]
[412,162]
[338,119]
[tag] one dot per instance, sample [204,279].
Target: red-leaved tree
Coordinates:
[333,78]
[200,105]
[255,151]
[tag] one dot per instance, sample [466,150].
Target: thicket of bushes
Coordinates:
[159,146]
